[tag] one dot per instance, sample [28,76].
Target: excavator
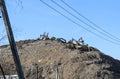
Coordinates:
[44,36]
[74,44]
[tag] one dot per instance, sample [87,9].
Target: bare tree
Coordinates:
[3,37]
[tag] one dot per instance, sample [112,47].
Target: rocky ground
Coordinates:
[46,58]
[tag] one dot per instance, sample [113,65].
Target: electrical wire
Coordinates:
[78,23]
[107,33]
[84,22]
[3,73]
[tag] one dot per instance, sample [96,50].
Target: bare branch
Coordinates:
[3,37]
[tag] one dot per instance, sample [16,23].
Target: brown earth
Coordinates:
[46,58]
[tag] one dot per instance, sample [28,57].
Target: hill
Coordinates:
[48,59]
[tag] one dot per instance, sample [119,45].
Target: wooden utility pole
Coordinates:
[37,72]
[11,39]
[57,71]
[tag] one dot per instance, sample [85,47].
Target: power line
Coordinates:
[107,33]
[84,22]
[78,23]
[2,71]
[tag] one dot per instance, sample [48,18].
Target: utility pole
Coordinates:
[37,72]
[11,39]
[57,71]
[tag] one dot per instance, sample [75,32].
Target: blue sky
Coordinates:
[32,18]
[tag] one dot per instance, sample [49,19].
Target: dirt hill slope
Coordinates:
[46,58]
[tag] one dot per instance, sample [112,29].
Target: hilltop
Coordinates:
[45,58]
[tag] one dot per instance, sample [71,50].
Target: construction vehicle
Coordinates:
[80,45]
[70,44]
[62,40]
[52,38]
[44,36]
[81,41]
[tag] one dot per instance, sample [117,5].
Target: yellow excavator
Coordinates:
[74,44]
